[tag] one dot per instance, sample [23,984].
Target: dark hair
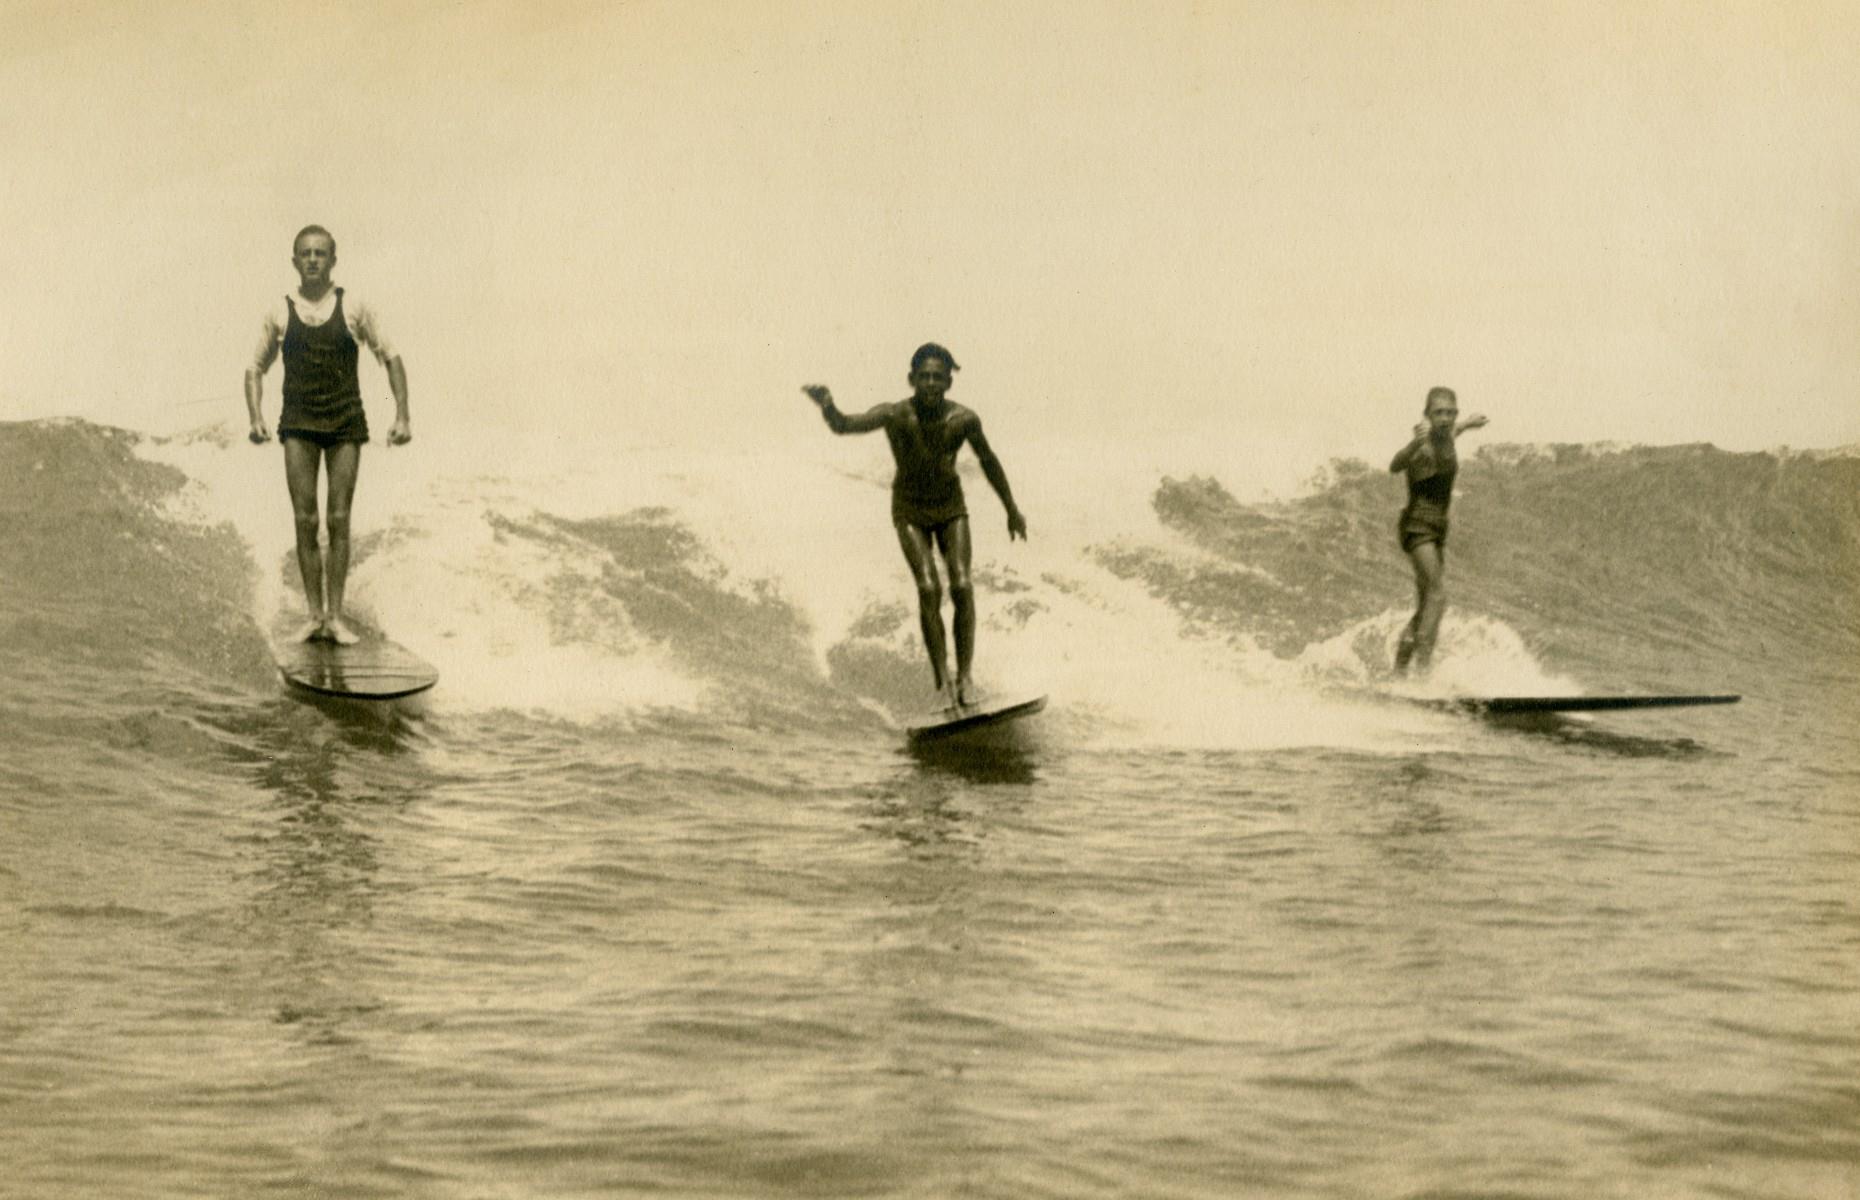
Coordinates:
[1439,393]
[309,229]
[932,350]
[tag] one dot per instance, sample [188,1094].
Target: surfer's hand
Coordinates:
[1423,429]
[258,434]
[1017,526]
[819,394]
[401,434]
[1476,421]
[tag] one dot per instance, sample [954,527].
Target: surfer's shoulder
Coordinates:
[962,416]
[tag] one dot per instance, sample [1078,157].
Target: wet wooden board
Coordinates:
[1561,704]
[944,722]
[372,669]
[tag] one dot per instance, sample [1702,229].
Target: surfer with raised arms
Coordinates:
[927,507]
[319,332]
[1430,462]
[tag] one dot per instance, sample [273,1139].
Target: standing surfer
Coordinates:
[322,423]
[1430,463]
[925,433]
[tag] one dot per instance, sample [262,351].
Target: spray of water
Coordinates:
[465,552]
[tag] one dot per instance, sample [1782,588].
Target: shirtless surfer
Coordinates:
[1430,463]
[319,332]
[925,433]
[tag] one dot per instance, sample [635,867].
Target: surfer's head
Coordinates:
[313,253]
[1442,409]
[932,370]
[931,350]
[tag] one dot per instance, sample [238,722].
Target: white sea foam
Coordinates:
[523,622]
[1476,655]
[444,582]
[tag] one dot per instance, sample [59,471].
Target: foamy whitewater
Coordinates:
[649,895]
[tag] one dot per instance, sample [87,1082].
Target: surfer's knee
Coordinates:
[308,526]
[338,521]
[961,590]
[930,593]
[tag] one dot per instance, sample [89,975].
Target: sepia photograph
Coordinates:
[930,599]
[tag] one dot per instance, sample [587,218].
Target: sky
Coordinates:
[1249,223]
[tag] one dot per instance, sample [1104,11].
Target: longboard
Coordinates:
[372,669]
[943,722]
[1563,704]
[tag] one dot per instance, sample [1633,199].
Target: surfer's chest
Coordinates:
[928,437]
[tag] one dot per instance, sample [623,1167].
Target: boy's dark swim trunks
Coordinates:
[1418,527]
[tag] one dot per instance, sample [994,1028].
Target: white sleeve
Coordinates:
[365,328]
[270,338]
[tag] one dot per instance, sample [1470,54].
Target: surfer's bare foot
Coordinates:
[966,695]
[339,633]
[310,631]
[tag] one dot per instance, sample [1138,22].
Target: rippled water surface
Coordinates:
[1218,923]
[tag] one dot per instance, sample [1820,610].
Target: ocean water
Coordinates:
[649,897]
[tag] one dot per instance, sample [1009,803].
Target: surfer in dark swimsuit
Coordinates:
[1430,463]
[319,333]
[925,433]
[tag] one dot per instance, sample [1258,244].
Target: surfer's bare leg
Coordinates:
[954,540]
[1404,646]
[344,461]
[1430,582]
[916,545]
[301,460]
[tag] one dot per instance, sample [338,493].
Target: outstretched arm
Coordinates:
[1406,454]
[1475,421]
[839,422]
[997,479]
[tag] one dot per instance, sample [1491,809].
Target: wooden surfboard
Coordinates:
[1563,704]
[372,669]
[944,722]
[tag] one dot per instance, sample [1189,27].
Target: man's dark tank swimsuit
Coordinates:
[926,491]
[322,391]
[1425,517]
